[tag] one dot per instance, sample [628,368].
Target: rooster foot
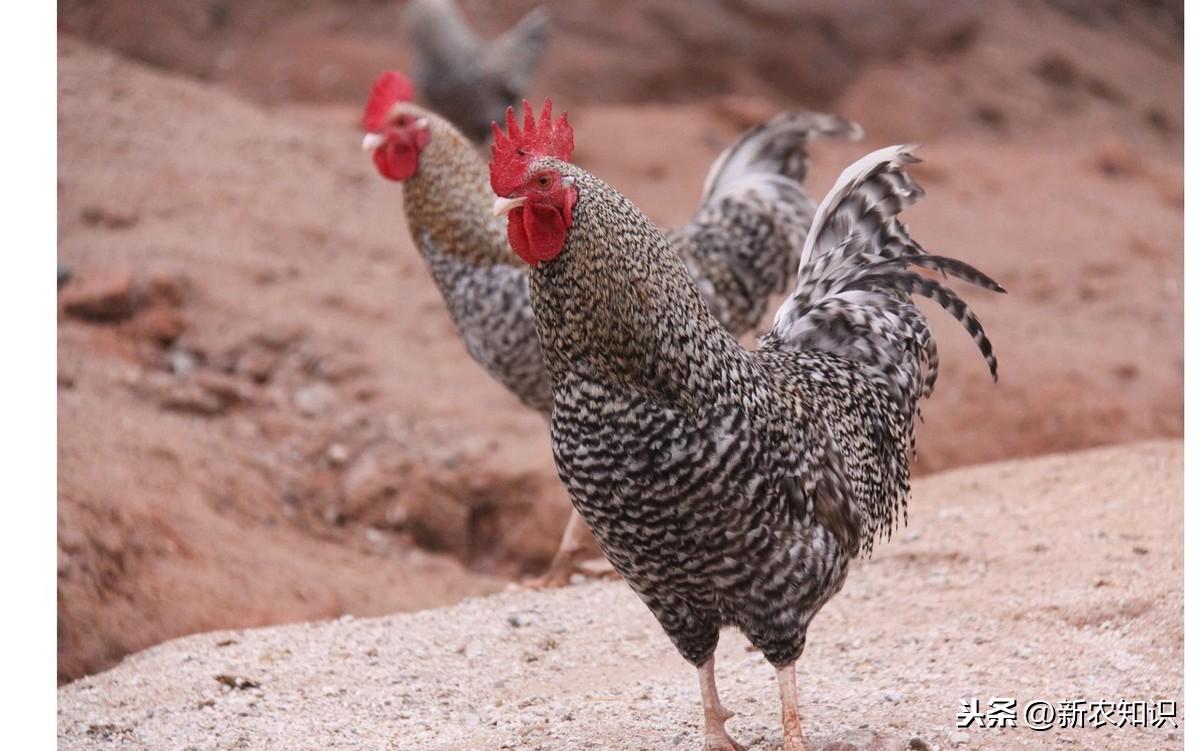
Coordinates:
[716,739]
[793,740]
[722,742]
[559,574]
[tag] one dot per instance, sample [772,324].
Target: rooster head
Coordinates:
[537,197]
[395,136]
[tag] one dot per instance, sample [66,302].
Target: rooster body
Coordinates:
[742,245]
[711,476]
[728,487]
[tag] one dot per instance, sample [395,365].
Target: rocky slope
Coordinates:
[1056,578]
[264,414]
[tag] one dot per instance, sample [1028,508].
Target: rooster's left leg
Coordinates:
[715,715]
[573,544]
[793,739]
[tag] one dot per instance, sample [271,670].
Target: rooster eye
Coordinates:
[543,181]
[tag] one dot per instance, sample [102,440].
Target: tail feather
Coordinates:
[744,241]
[854,295]
[775,147]
[913,283]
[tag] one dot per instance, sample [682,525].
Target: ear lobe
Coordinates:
[569,199]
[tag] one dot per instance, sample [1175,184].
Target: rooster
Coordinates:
[467,80]
[728,487]
[741,246]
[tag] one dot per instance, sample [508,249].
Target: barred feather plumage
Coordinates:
[854,294]
[731,487]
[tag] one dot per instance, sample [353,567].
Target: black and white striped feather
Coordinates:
[727,486]
[854,295]
[744,241]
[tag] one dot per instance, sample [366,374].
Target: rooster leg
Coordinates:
[715,715]
[574,542]
[793,739]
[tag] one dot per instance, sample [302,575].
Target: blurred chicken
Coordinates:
[728,487]
[742,245]
[468,81]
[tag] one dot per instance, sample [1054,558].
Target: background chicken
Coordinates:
[728,487]
[741,246]
[467,80]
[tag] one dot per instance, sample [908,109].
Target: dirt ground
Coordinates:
[264,413]
[1052,579]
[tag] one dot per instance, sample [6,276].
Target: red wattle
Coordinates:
[397,158]
[536,233]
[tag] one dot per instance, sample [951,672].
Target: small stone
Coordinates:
[893,697]
[190,398]
[314,399]
[280,337]
[236,682]
[160,324]
[1117,159]
[101,296]
[259,364]
[960,739]
[182,362]
[338,454]
[916,744]
[230,390]
[168,288]
[108,217]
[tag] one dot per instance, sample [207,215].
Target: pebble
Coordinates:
[314,399]
[102,296]
[338,454]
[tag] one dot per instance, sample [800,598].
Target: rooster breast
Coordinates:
[710,515]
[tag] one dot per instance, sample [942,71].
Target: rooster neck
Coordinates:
[617,307]
[449,199]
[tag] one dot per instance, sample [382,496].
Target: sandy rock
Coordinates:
[314,399]
[161,324]
[99,296]
[107,217]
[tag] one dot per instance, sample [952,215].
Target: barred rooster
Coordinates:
[470,81]
[728,487]
[741,246]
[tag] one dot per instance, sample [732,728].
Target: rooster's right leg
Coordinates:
[573,544]
[793,737]
[715,715]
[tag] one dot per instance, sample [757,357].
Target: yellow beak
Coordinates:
[505,205]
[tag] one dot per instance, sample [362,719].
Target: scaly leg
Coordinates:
[715,715]
[574,541]
[793,739]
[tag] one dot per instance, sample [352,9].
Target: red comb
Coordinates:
[390,88]
[543,137]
